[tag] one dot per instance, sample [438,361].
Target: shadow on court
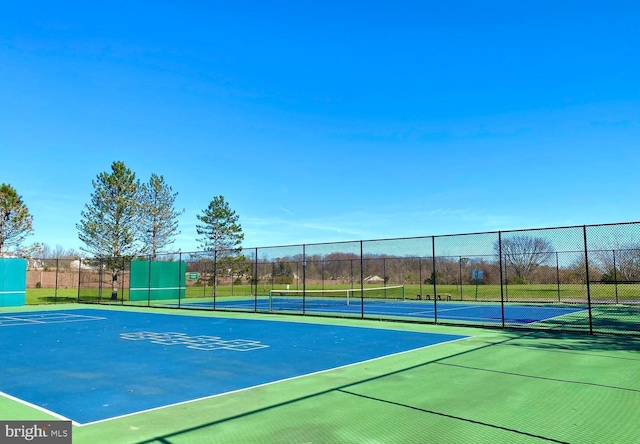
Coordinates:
[525,388]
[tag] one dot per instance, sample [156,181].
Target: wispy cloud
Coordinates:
[363,225]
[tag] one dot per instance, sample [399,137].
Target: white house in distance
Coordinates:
[77,264]
[373,280]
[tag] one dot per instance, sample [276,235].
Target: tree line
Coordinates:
[125,218]
[520,259]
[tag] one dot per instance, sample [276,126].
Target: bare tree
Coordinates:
[524,254]
[59,252]
[620,264]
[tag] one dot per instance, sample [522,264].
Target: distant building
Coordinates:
[77,264]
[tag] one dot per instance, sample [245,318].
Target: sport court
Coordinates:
[493,386]
[90,365]
[484,312]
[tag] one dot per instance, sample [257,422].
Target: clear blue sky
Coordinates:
[327,120]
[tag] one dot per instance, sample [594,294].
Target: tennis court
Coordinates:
[157,376]
[479,312]
[107,364]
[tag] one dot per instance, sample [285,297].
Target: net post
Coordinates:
[403,296]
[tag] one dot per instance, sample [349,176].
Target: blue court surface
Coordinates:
[89,365]
[478,312]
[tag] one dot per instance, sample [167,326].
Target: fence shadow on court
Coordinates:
[369,397]
[347,389]
[579,343]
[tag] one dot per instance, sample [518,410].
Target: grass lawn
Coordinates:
[621,293]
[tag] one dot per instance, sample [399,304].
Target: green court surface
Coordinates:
[496,387]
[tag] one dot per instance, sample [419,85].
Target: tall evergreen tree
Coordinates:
[110,222]
[159,224]
[222,235]
[16,223]
[220,230]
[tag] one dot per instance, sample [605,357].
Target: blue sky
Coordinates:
[327,121]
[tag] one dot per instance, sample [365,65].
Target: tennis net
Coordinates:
[334,296]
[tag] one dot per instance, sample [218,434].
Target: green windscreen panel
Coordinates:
[13,282]
[152,280]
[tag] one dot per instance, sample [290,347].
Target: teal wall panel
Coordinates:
[13,282]
[151,280]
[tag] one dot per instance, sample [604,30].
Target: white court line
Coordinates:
[46,315]
[49,318]
[420,313]
[37,407]
[9,321]
[270,383]
[559,316]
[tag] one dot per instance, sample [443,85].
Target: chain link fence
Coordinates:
[581,278]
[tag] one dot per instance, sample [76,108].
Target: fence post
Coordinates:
[206,279]
[501,278]
[122,281]
[255,282]
[55,294]
[384,275]
[420,274]
[215,274]
[304,277]
[100,278]
[79,277]
[460,276]
[586,265]
[181,276]
[148,258]
[322,264]
[558,275]
[615,274]
[433,276]
[361,281]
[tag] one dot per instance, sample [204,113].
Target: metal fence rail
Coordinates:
[580,278]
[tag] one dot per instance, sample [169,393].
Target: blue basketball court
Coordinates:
[91,365]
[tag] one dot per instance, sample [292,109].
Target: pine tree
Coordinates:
[110,223]
[220,230]
[15,221]
[159,224]
[221,234]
